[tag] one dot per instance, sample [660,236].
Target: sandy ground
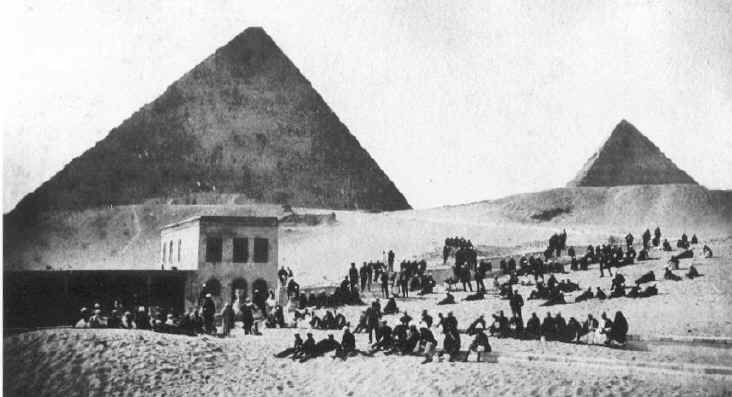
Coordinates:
[119,362]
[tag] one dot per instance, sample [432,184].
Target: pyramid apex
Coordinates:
[627,157]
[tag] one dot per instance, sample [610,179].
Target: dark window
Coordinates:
[179,243]
[241,250]
[261,250]
[164,247]
[213,249]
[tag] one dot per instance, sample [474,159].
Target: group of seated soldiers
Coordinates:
[556,328]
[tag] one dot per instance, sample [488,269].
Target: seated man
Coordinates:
[600,294]
[500,326]
[634,291]
[475,297]
[472,327]
[585,295]
[547,327]
[643,255]
[668,275]
[666,245]
[84,321]
[707,251]
[448,300]
[427,344]
[451,344]
[307,349]
[428,285]
[480,342]
[556,298]
[693,273]
[391,307]
[384,338]
[618,330]
[297,346]
[516,327]
[649,291]
[533,327]
[323,346]
[348,346]
[572,330]
[645,278]
[589,327]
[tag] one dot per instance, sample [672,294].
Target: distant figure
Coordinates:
[209,310]
[292,351]
[666,245]
[694,240]
[227,319]
[585,295]
[390,260]
[619,329]
[448,300]
[668,275]
[480,342]
[533,327]
[647,277]
[707,251]
[693,273]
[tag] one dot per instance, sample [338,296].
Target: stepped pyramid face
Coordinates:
[629,158]
[243,121]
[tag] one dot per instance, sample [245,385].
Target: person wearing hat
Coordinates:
[84,320]
[247,316]
[209,310]
[96,320]
[479,342]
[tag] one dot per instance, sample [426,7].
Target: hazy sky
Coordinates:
[456,101]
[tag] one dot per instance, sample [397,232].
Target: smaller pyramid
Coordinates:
[629,158]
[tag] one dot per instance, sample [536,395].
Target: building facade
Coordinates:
[233,257]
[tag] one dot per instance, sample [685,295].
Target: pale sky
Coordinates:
[456,101]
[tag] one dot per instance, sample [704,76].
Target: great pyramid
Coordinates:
[243,121]
[629,158]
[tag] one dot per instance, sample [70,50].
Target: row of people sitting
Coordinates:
[340,297]
[557,328]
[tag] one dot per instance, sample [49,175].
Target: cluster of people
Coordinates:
[556,328]
[309,348]
[557,244]
[453,244]
[553,292]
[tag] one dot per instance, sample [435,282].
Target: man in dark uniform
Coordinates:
[646,238]
[480,340]
[629,240]
[353,276]
[390,260]
[209,310]
[533,327]
[516,303]
[385,284]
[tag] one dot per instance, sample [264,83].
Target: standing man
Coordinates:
[390,260]
[209,309]
[385,284]
[353,277]
[364,276]
[516,302]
